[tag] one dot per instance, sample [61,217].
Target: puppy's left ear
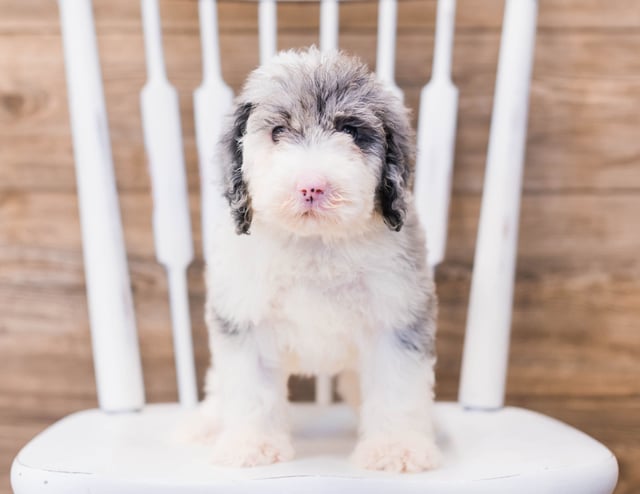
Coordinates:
[236,190]
[396,170]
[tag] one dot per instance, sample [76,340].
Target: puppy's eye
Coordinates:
[277,132]
[349,129]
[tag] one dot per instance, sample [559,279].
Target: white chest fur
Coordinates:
[315,300]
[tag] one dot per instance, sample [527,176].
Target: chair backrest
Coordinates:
[116,354]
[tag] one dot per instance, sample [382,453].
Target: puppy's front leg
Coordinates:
[249,387]
[396,430]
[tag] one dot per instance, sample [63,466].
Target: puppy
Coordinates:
[320,265]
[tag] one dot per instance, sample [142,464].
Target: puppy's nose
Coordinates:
[312,191]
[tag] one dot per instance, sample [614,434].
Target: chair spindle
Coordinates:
[486,346]
[116,355]
[268,29]
[386,48]
[329,21]
[436,138]
[171,219]
[212,101]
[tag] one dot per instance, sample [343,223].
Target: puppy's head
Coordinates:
[317,146]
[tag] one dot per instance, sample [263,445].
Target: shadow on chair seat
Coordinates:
[507,451]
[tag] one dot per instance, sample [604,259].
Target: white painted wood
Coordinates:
[171,220]
[436,138]
[324,390]
[212,102]
[268,29]
[486,346]
[386,49]
[116,355]
[329,20]
[504,452]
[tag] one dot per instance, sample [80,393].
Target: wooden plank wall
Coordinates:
[576,340]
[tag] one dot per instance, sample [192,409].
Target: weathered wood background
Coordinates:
[576,327]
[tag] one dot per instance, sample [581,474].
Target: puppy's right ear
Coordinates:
[236,190]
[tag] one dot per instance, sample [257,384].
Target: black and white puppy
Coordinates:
[320,267]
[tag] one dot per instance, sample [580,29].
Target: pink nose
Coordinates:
[312,192]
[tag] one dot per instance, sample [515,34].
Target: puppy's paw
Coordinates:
[397,454]
[199,426]
[241,449]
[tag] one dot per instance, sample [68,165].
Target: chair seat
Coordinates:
[506,451]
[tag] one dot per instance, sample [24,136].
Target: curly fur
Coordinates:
[339,285]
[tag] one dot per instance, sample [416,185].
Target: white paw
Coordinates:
[199,426]
[242,449]
[397,454]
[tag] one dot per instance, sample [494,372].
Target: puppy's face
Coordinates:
[307,171]
[317,147]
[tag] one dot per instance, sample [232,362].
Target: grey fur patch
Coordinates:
[396,172]
[230,328]
[369,139]
[236,190]
[419,336]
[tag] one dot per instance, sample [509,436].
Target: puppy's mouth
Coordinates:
[320,208]
[312,214]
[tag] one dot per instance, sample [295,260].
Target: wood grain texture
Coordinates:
[574,110]
[121,15]
[576,345]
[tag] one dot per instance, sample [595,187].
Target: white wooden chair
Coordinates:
[126,447]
